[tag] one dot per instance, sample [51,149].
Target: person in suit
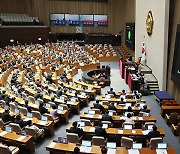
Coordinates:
[98,106]
[75,129]
[27,106]
[19,121]
[153,133]
[144,109]
[53,112]
[37,95]
[42,109]
[129,118]
[59,92]
[99,131]
[106,116]
[123,92]
[6,116]
[111,92]
[112,107]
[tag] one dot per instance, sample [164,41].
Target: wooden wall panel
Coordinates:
[171,86]
[13,6]
[130,8]
[114,9]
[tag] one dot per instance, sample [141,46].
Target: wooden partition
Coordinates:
[23,35]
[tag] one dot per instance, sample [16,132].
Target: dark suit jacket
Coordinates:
[107,118]
[21,123]
[28,108]
[76,130]
[153,134]
[6,117]
[112,107]
[98,106]
[43,110]
[58,93]
[100,132]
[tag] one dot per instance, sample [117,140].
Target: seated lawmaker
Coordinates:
[19,121]
[76,130]
[111,92]
[27,106]
[53,112]
[129,118]
[106,116]
[6,116]
[99,131]
[42,109]
[153,133]
[59,92]
[98,106]
[144,109]
[112,107]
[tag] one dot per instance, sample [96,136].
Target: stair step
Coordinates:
[154,89]
[154,86]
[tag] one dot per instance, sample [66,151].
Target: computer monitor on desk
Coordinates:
[162,146]
[137,146]
[127,127]
[86,143]
[111,145]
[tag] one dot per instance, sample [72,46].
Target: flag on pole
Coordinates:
[143,59]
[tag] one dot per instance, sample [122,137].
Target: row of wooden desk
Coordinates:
[57,148]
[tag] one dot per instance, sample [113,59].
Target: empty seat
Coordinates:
[4,149]
[154,142]
[15,127]
[73,138]
[172,118]
[23,111]
[98,141]
[36,114]
[87,122]
[126,142]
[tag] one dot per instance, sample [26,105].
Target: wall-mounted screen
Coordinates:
[130,35]
[176,60]
[56,19]
[86,20]
[100,20]
[72,19]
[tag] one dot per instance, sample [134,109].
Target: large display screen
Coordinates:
[176,60]
[130,35]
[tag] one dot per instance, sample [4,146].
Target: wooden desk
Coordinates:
[118,120]
[97,88]
[169,109]
[118,100]
[115,133]
[56,148]
[14,139]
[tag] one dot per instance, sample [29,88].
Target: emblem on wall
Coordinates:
[149,23]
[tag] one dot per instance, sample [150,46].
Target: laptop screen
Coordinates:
[70,83]
[137,145]
[127,127]
[81,124]
[61,98]
[150,127]
[17,111]
[44,118]
[8,129]
[162,145]
[29,115]
[83,94]
[60,107]
[108,96]
[73,100]
[128,104]
[6,107]
[89,88]
[111,145]
[105,126]
[62,140]
[36,102]
[73,91]
[86,143]
[80,86]
[48,105]
[52,95]
[111,113]
[91,112]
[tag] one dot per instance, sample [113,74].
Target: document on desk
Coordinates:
[133,131]
[92,129]
[89,115]
[3,133]
[27,119]
[161,151]
[133,151]
[52,144]
[145,132]
[21,138]
[85,149]
[100,117]
[122,118]
[111,151]
[134,118]
[42,122]
[140,118]
[120,131]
